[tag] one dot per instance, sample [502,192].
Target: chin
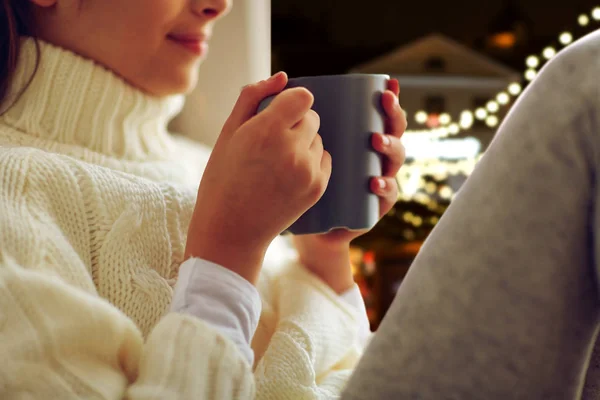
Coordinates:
[176,85]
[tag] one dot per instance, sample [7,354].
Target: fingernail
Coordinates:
[381,183]
[385,139]
[273,77]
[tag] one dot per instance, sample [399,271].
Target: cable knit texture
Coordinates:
[95,200]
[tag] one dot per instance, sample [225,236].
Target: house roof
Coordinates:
[459,60]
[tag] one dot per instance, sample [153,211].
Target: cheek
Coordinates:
[147,20]
[135,34]
[132,42]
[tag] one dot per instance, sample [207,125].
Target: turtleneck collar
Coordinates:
[74,101]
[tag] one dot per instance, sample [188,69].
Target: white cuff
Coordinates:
[221,298]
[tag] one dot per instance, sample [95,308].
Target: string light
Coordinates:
[583,20]
[549,52]
[530,74]
[430,187]
[466,119]
[445,118]
[503,98]
[453,129]
[446,192]
[481,113]
[565,38]
[421,117]
[491,121]
[413,186]
[417,221]
[514,89]
[492,106]
[532,62]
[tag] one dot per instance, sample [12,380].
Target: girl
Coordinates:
[120,276]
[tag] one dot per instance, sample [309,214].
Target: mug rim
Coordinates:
[334,76]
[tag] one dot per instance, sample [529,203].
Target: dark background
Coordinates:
[312,37]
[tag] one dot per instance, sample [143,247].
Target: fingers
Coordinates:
[307,129]
[317,144]
[395,123]
[387,190]
[393,150]
[250,98]
[326,166]
[289,107]
[394,86]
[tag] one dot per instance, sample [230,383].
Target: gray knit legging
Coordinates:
[502,302]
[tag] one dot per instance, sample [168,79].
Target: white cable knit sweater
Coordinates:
[95,200]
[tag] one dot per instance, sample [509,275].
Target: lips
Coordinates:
[195,43]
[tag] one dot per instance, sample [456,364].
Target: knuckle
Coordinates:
[322,185]
[314,116]
[249,91]
[402,153]
[404,121]
[303,96]
[303,170]
[394,190]
[318,141]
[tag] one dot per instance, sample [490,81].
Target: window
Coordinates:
[435,64]
[435,104]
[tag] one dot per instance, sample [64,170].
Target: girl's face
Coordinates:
[156,45]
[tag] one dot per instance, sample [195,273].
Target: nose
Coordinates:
[211,9]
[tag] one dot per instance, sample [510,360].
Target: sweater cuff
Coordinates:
[221,298]
[353,298]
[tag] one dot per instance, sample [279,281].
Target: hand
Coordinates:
[327,255]
[264,172]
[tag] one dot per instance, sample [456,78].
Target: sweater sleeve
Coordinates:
[60,340]
[312,336]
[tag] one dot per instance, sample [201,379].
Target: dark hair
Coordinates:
[16,20]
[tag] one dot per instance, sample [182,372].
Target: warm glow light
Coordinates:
[565,38]
[433,121]
[446,192]
[514,89]
[504,40]
[424,150]
[530,74]
[503,98]
[480,114]
[430,187]
[440,126]
[410,186]
[466,119]
[421,117]
[596,13]
[492,106]
[583,20]
[453,129]
[549,52]
[445,118]
[491,121]
[532,61]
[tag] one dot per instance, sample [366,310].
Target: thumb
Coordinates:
[250,98]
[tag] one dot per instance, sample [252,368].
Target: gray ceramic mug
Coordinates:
[350,110]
